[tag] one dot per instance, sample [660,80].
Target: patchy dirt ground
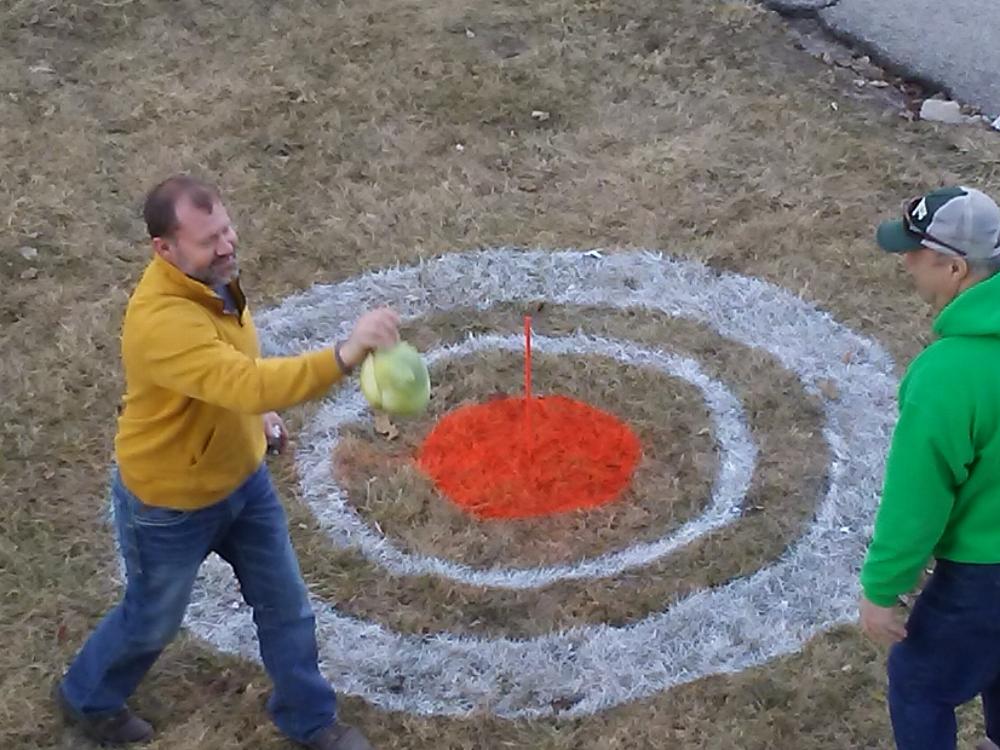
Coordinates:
[350,137]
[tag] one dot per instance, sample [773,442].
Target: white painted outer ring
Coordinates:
[590,668]
[329,503]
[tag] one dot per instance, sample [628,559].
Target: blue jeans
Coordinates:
[163,550]
[951,654]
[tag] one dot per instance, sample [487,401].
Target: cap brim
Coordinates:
[894,237]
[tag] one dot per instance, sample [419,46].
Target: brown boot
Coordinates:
[120,728]
[339,737]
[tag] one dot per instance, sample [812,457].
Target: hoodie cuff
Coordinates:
[881,599]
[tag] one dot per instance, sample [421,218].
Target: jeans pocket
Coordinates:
[155,516]
[956,598]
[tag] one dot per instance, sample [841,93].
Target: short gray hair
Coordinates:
[984,267]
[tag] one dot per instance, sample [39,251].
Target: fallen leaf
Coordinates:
[829,389]
[27,252]
[254,692]
[31,273]
[385,427]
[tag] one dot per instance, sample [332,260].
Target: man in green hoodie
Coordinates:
[942,484]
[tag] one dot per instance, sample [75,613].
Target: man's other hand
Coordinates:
[274,430]
[882,624]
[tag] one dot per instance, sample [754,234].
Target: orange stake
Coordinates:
[528,444]
[527,357]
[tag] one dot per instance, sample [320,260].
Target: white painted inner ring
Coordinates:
[330,505]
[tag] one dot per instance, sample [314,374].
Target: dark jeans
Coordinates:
[163,550]
[951,654]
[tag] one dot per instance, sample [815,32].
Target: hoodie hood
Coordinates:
[975,312]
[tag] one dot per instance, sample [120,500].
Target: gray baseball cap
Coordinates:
[955,221]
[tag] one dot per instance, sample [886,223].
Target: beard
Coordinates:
[220,272]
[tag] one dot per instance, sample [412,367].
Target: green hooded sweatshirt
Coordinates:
[942,481]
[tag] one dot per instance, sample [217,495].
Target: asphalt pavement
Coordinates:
[953,45]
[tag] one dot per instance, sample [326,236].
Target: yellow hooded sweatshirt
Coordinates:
[196,387]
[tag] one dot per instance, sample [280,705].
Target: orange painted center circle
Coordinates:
[522,458]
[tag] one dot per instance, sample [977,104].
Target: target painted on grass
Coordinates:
[773,611]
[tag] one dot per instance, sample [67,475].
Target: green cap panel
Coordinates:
[894,237]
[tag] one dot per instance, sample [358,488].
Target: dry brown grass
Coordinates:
[689,126]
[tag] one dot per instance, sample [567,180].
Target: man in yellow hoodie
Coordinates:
[199,413]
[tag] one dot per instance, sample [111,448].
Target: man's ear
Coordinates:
[162,248]
[960,268]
